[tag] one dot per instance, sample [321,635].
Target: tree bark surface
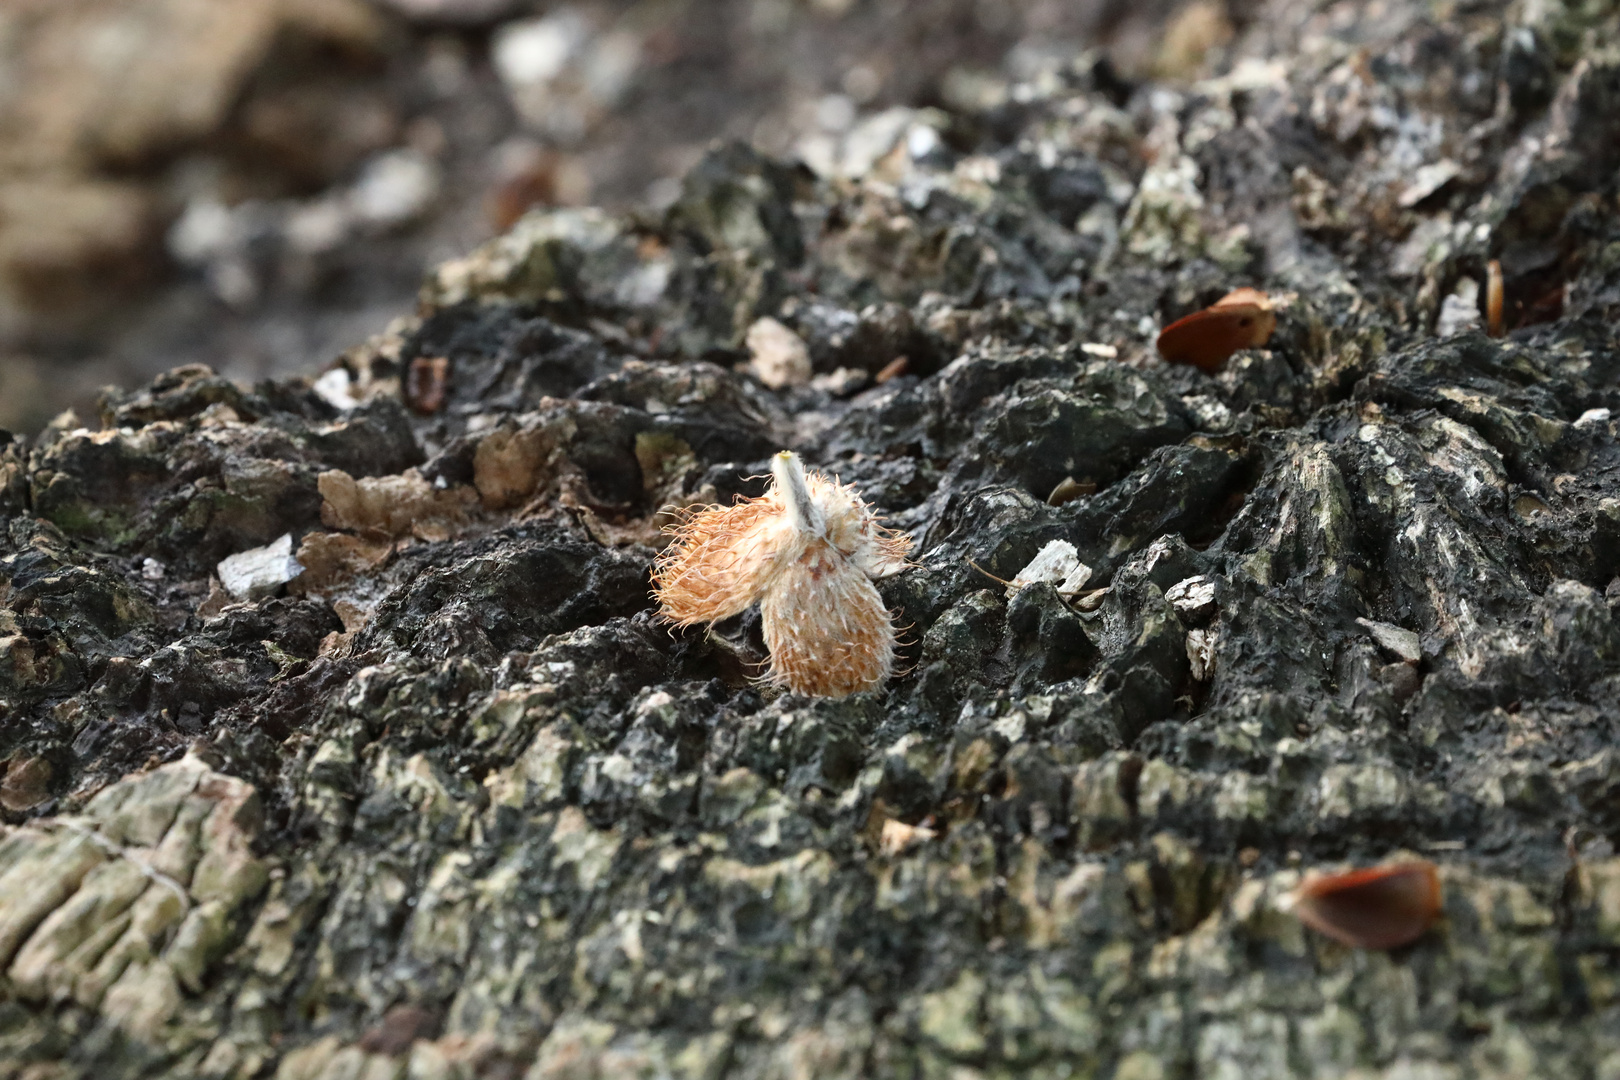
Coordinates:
[429,791]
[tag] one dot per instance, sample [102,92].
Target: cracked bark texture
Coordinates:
[455,804]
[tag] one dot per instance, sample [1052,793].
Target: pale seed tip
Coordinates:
[802,511]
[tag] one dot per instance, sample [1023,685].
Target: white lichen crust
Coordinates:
[806,551]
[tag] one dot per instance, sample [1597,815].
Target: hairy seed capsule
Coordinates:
[806,552]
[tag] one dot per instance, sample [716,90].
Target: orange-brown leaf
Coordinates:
[1242,319]
[1381,907]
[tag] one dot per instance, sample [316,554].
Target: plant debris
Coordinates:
[806,552]
[1383,907]
[1242,319]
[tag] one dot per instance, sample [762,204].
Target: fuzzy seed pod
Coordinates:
[806,552]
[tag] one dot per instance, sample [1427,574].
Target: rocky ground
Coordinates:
[342,739]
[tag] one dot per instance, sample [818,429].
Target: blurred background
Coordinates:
[260,184]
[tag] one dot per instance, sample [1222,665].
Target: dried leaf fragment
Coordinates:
[510,465]
[1242,319]
[1058,563]
[1427,180]
[1493,298]
[1381,907]
[426,384]
[331,557]
[1192,597]
[806,552]
[391,506]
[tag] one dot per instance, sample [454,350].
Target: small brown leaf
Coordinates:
[1493,298]
[1242,319]
[1381,907]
